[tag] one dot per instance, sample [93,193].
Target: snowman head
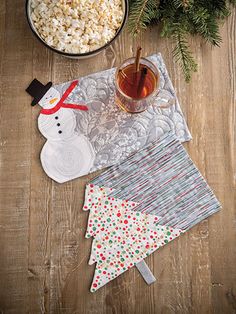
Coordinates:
[50,99]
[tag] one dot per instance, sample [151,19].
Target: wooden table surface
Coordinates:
[43,253]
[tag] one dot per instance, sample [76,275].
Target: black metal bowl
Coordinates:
[125,4]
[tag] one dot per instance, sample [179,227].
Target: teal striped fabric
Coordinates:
[164,181]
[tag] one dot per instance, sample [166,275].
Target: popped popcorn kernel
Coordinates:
[77,26]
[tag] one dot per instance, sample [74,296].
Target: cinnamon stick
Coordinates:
[142,81]
[137,59]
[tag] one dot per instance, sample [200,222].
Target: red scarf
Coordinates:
[61,103]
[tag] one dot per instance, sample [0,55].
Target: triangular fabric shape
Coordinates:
[97,201]
[93,194]
[122,237]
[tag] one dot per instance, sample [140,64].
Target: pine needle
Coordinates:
[183,55]
[141,14]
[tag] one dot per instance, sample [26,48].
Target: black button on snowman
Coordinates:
[66,154]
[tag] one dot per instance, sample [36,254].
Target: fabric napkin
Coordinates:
[82,141]
[142,204]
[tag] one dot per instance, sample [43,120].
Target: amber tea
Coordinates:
[129,81]
[135,90]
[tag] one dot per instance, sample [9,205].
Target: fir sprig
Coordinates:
[142,12]
[205,25]
[183,55]
[178,19]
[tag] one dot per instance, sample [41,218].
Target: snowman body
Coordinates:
[59,125]
[66,154]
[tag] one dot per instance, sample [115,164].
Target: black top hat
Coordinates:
[37,90]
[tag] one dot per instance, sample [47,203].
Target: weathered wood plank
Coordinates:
[221,152]
[14,160]
[40,198]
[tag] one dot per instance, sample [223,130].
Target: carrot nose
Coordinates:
[52,101]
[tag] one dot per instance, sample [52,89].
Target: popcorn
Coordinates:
[77,26]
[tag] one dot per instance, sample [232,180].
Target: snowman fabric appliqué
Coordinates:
[85,129]
[66,155]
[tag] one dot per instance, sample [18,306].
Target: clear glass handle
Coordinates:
[164,99]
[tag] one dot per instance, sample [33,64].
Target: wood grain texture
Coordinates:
[43,253]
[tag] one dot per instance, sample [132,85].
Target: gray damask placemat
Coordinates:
[104,135]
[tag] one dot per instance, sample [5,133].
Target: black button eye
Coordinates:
[58,124]
[59,132]
[56,117]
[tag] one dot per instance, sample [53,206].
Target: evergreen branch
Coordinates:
[183,55]
[182,3]
[179,18]
[141,14]
[206,25]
